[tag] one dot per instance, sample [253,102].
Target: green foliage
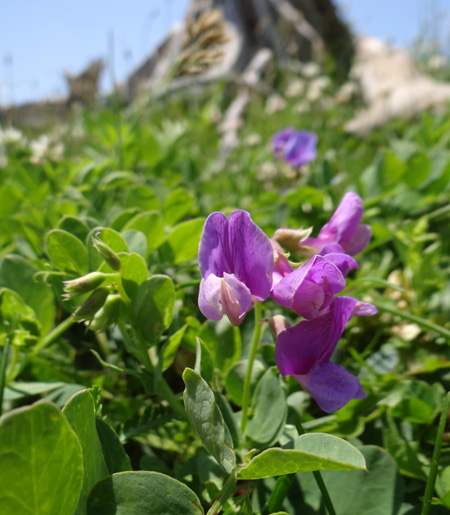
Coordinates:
[143,185]
[135,492]
[207,420]
[80,412]
[306,453]
[34,439]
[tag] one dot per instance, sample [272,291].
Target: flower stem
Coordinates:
[278,494]
[251,358]
[227,492]
[3,364]
[54,333]
[320,482]
[435,460]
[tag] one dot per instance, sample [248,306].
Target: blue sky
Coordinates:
[41,38]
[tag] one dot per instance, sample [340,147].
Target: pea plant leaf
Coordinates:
[269,409]
[67,252]
[306,453]
[80,412]
[153,307]
[41,462]
[141,493]
[207,420]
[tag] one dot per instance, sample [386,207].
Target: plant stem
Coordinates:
[227,492]
[325,495]
[278,494]
[3,364]
[429,489]
[443,331]
[320,482]
[54,333]
[251,358]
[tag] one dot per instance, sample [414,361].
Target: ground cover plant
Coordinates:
[262,333]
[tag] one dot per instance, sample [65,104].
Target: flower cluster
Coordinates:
[240,265]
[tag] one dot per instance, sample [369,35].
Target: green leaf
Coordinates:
[134,272]
[153,307]
[184,240]
[16,390]
[80,412]
[143,197]
[116,458]
[41,462]
[19,275]
[418,170]
[178,204]
[269,410]
[67,252]
[151,223]
[136,242]
[207,420]
[75,226]
[402,450]
[170,347]
[18,321]
[309,452]
[142,493]
[375,491]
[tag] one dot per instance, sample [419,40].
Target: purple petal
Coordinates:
[344,262]
[332,386]
[298,348]
[340,313]
[280,139]
[284,291]
[308,300]
[295,291]
[359,241]
[209,297]
[345,220]
[364,309]
[251,254]
[281,267]
[300,148]
[236,298]
[213,255]
[324,268]
[331,249]
[237,246]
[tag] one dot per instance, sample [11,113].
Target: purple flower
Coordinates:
[304,351]
[295,147]
[344,232]
[310,290]
[236,263]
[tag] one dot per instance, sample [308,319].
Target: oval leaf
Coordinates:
[80,412]
[153,307]
[142,493]
[313,451]
[184,240]
[150,223]
[41,462]
[207,420]
[67,252]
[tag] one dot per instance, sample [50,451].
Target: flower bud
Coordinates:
[277,325]
[92,304]
[83,284]
[111,258]
[291,238]
[106,315]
